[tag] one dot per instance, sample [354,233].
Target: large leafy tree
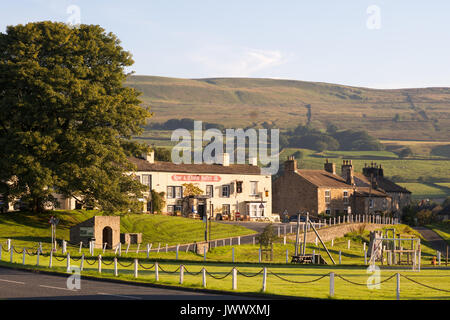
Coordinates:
[66,118]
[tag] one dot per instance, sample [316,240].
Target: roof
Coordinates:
[386,185]
[322,178]
[366,192]
[163,166]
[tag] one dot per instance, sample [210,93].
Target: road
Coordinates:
[16,284]
[435,241]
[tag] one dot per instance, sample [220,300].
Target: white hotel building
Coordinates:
[228,189]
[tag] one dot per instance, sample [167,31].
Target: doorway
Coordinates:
[107,237]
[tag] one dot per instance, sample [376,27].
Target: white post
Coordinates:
[167,248]
[439,257]
[64,247]
[348,244]
[120,249]
[156,271]
[204,253]
[128,247]
[187,248]
[8,244]
[204,277]
[68,262]
[278,231]
[239,241]
[398,286]
[51,259]
[181,274]
[234,279]
[116,272]
[104,247]
[339,219]
[364,246]
[11,248]
[287,256]
[232,254]
[148,251]
[135,268]
[37,257]
[284,240]
[259,259]
[176,253]
[365,256]
[264,280]
[331,284]
[81,244]
[82,262]
[99,263]
[340,254]
[23,256]
[137,250]
[332,242]
[314,257]
[159,247]
[253,240]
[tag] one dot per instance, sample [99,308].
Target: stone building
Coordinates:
[100,229]
[325,192]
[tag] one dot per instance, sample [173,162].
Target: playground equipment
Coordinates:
[303,257]
[394,249]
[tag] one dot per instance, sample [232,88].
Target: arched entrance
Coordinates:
[107,237]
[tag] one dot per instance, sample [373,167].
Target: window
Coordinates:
[178,192]
[170,192]
[225,209]
[345,196]
[210,191]
[239,187]
[225,191]
[253,188]
[177,208]
[327,211]
[147,180]
[327,196]
[370,203]
[170,209]
[174,192]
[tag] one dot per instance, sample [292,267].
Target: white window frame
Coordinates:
[210,190]
[345,196]
[227,193]
[253,188]
[329,196]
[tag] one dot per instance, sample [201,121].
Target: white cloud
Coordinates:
[236,62]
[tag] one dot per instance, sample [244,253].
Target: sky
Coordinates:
[377,44]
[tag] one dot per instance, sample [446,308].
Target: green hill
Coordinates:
[409,114]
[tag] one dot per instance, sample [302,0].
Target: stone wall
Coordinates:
[333,232]
[98,223]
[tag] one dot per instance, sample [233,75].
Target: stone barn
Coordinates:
[101,229]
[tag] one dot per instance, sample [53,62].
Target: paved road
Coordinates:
[435,241]
[16,284]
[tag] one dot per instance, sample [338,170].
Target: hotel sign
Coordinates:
[195,177]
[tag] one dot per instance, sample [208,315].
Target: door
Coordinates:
[107,237]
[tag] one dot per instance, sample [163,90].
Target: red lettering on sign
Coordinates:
[195,177]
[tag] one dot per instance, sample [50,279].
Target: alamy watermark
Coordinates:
[258,147]
[373,22]
[74,280]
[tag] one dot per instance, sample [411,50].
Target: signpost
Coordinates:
[53,222]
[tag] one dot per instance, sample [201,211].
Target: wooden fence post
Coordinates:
[264,280]
[234,279]
[331,284]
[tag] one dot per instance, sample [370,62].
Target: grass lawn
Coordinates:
[24,228]
[421,190]
[281,278]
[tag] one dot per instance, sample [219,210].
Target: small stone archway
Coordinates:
[107,237]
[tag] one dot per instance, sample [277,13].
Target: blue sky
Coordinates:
[378,44]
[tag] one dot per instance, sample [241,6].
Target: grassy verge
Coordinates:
[26,229]
[442,229]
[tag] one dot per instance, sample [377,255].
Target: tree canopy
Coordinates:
[66,119]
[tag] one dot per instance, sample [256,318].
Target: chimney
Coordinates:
[150,157]
[290,165]
[347,172]
[253,161]
[330,167]
[226,160]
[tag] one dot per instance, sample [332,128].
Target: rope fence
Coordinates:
[218,275]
